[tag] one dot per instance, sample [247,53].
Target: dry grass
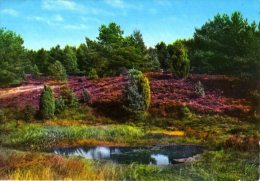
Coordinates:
[169,133]
[36,166]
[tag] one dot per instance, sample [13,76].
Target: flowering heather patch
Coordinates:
[222,94]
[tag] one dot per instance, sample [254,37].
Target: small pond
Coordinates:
[146,155]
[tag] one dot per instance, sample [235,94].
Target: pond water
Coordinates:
[146,155]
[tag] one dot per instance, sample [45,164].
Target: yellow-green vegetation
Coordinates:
[216,165]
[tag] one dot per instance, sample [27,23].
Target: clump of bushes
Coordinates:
[47,103]
[86,96]
[199,89]
[70,99]
[28,113]
[57,71]
[66,99]
[137,95]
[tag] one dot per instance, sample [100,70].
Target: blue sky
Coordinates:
[46,23]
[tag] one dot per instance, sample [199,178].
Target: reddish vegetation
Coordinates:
[222,94]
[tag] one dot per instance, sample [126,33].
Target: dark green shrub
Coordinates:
[69,97]
[86,96]
[28,113]
[57,71]
[47,103]
[59,105]
[179,58]
[199,89]
[2,116]
[137,96]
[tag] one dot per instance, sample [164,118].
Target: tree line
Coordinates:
[224,45]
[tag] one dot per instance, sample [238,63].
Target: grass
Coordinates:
[74,128]
[82,126]
[37,136]
[216,165]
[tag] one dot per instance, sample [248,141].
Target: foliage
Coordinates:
[12,58]
[35,71]
[69,97]
[110,35]
[57,71]
[42,60]
[55,53]
[153,64]
[137,96]
[199,89]
[179,58]
[47,103]
[83,60]
[69,60]
[163,55]
[226,45]
[112,51]
[28,113]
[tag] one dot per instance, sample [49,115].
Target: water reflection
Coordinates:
[160,159]
[127,155]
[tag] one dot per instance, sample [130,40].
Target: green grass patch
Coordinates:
[39,136]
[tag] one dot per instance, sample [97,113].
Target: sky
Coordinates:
[46,23]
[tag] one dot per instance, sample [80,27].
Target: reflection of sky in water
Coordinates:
[160,159]
[94,153]
[127,155]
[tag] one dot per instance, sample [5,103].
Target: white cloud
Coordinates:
[116,3]
[90,19]
[54,20]
[57,18]
[37,18]
[59,5]
[69,5]
[122,5]
[75,27]
[10,12]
